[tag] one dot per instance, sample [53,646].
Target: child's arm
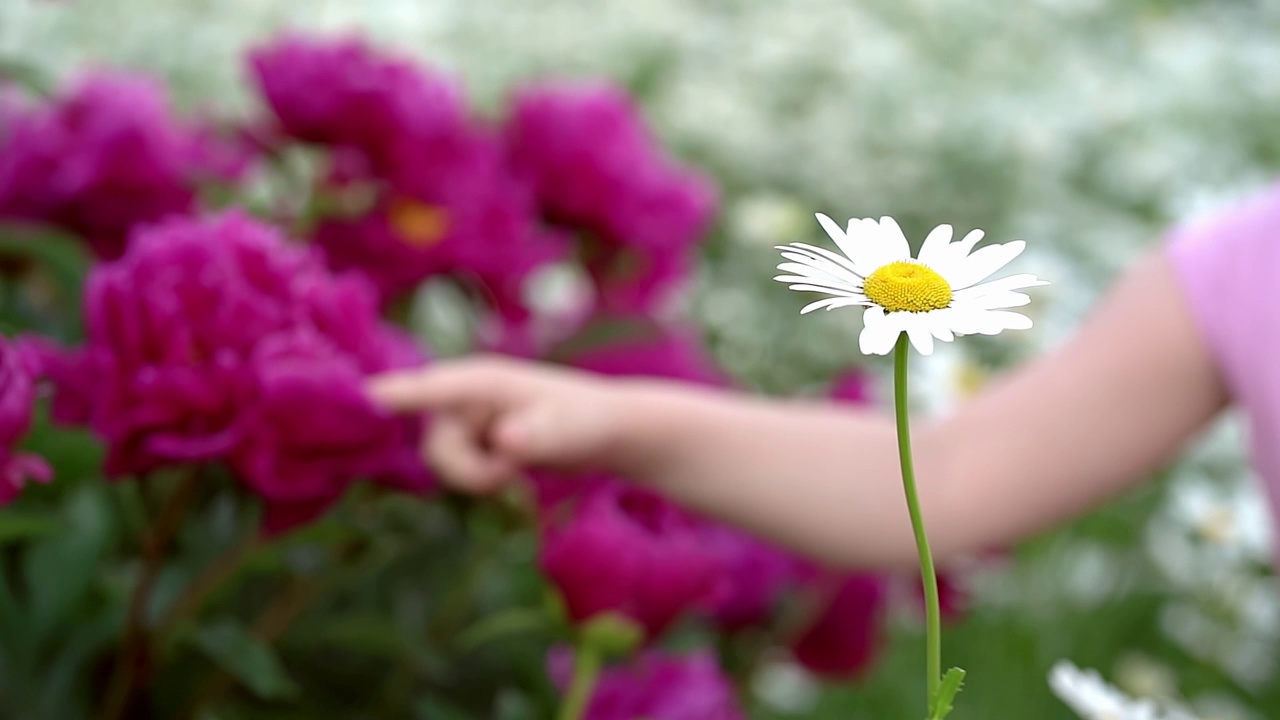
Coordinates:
[1043,444]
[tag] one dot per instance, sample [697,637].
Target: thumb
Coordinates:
[543,434]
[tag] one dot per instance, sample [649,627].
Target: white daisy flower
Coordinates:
[937,295]
[1093,698]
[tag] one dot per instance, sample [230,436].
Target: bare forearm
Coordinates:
[1049,441]
[820,478]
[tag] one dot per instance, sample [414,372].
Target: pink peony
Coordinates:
[459,215]
[343,93]
[657,686]
[98,160]
[627,551]
[845,636]
[214,340]
[754,575]
[447,202]
[311,429]
[854,387]
[597,168]
[17,396]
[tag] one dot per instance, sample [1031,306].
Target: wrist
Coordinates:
[648,428]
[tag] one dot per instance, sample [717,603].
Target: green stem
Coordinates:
[928,577]
[586,671]
[130,668]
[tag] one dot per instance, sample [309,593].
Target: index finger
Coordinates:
[434,387]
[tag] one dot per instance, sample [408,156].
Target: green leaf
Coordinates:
[26,75]
[246,658]
[940,705]
[436,708]
[372,635]
[61,570]
[17,666]
[61,686]
[502,625]
[17,527]
[61,255]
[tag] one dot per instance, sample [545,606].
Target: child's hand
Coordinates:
[493,417]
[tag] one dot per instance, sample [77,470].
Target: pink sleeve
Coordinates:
[1229,269]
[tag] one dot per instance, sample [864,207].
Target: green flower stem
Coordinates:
[928,577]
[586,671]
[125,679]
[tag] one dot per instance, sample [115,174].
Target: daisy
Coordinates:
[940,294]
[1091,697]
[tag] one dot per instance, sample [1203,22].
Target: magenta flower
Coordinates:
[844,638]
[674,353]
[753,576]
[215,340]
[627,551]
[98,160]
[657,686]
[855,387]
[223,152]
[311,428]
[459,214]
[596,168]
[17,396]
[343,93]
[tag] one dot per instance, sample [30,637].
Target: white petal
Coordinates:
[878,333]
[957,252]
[1011,320]
[804,272]
[876,253]
[811,273]
[831,304]
[854,243]
[935,245]
[939,323]
[963,321]
[827,290]
[971,239]
[817,252]
[832,228]
[817,267]
[994,301]
[921,338]
[1012,282]
[979,266]
[893,240]
[811,285]
[988,322]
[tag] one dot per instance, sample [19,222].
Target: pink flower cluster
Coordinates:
[102,157]
[598,171]
[658,685]
[210,338]
[441,193]
[444,201]
[17,395]
[214,340]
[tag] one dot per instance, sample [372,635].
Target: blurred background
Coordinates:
[1087,128]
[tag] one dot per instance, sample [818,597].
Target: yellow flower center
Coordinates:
[907,287]
[418,224]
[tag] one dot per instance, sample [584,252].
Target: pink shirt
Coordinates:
[1229,267]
